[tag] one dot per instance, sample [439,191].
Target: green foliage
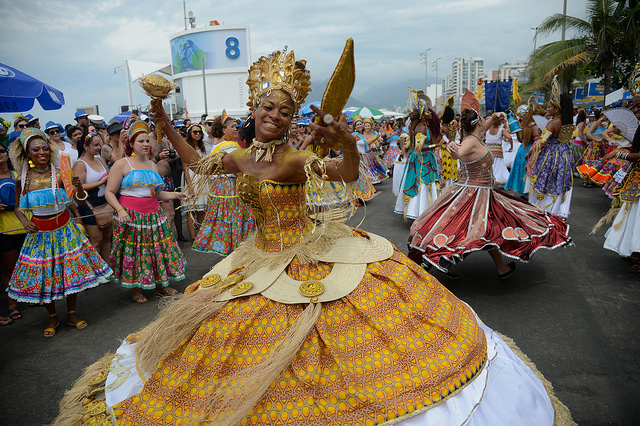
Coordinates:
[606,44]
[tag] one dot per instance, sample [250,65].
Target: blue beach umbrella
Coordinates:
[307,108]
[18,92]
[122,117]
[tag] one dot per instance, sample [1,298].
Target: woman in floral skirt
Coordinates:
[145,255]
[56,261]
[228,221]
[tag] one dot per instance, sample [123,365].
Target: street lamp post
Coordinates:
[425,60]
[535,38]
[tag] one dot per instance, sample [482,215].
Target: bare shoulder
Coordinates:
[79,166]
[121,165]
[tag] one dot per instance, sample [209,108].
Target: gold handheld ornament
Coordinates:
[338,89]
[157,87]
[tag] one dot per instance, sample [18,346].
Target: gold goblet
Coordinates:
[157,87]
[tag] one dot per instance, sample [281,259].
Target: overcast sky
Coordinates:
[75,45]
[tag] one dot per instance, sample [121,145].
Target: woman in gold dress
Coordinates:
[304,323]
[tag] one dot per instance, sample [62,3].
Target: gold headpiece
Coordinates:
[555,92]
[634,81]
[420,101]
[279,71]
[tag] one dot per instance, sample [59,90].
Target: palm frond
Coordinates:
[573,62]
[556,21]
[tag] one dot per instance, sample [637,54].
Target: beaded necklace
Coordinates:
[477,137]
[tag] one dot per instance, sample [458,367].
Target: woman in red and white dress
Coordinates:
[471,215]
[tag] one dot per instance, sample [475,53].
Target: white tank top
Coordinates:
[93,176]
[494,139]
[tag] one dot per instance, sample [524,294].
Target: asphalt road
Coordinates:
[574,311]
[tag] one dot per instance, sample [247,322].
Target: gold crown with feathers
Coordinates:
[279,71]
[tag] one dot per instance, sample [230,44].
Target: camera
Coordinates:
[172,153]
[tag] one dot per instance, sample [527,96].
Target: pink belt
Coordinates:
[140,204]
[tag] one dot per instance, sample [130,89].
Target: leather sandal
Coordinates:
[51,331]
[79,324]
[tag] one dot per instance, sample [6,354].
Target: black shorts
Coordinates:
[9,242]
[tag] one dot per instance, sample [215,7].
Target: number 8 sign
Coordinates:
[232,51]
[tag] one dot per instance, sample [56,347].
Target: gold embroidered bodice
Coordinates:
[279,209]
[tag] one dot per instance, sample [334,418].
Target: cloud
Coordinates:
[141,39]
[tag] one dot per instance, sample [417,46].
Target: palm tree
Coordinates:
[599,43]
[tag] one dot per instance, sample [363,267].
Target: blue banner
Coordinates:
[579,93]
[497,95]
[595,89]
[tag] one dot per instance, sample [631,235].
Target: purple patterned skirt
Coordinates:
[552,173]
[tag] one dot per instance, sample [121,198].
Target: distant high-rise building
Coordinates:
[465,73]
[516,69]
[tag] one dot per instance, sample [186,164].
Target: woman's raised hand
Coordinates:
[156,112]
[332,133]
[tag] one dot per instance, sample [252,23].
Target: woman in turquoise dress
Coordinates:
[419,186]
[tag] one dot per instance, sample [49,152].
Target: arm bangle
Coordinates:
[86,195]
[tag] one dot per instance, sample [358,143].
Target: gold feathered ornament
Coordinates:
[516,94]
[339,88]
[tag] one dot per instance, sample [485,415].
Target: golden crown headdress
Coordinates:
[279,71]
[555,92]
[634,81]
[420,101]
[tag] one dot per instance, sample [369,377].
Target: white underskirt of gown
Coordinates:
[626,240]
[500,171]
[559,207]
[509,157]
[398,176]
[427,195]
[505,392]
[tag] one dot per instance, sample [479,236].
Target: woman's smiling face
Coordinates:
[273,116]
[39,152]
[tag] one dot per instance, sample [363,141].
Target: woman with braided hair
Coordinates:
[56,261]
[552,172]
[419,187]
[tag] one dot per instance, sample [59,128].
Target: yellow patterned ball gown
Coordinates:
[311,326]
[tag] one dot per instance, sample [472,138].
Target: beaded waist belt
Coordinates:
[496,150]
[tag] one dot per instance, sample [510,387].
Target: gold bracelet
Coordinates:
[86,195]
[118,211]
